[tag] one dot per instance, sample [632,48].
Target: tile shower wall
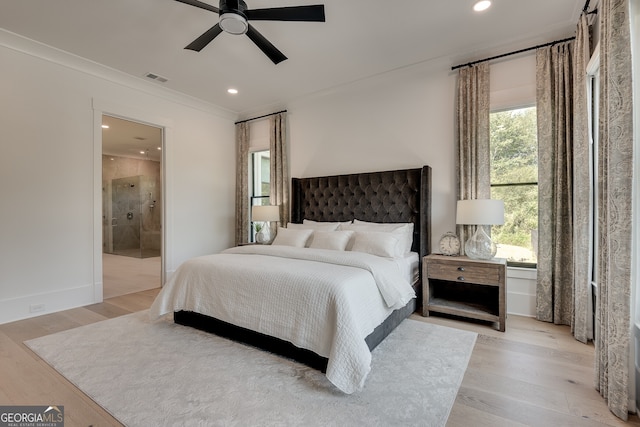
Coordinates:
[140,235]
[125,215]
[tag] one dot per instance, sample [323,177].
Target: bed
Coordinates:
[271,290]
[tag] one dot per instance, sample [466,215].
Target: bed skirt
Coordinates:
[282,347]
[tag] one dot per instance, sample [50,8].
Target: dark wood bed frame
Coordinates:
[389,196]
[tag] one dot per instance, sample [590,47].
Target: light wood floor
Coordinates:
[125,275]
[534,374]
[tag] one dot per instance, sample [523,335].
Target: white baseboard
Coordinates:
[521,304]
[46,303]
[521,291]
[98,293]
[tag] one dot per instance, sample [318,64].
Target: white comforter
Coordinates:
[321,300]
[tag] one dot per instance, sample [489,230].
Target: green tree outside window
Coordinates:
[514,179]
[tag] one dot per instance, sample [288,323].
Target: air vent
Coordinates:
[156,77]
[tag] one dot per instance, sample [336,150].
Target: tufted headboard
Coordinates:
[389,196]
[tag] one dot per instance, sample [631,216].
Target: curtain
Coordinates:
[242,183]
[582,324]
[472,112]
[615,183]
[554,290]
[279,166]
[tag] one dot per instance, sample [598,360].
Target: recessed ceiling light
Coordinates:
[232,91]
[143,152]
[105,126]
[482,5]
[159,148]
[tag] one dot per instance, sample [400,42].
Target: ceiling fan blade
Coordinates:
[265,45]
[206,38]
[312,13]
[201,5]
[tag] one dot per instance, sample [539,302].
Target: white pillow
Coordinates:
[290,237]
[317,226]
[378,243]
[335,240]
[337,224]
[323,226]
[404,232]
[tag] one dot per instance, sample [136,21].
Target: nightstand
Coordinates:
[465,287]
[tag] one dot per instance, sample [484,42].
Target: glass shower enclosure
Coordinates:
[131,217]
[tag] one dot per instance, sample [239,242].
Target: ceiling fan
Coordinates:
[234,15]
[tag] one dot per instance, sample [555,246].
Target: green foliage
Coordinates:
[514,146]
[514,159]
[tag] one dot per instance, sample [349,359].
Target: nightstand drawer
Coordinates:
[464,272]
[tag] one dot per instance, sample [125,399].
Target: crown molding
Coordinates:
[60,57]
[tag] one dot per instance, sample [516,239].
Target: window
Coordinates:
[260,181]
[514,179]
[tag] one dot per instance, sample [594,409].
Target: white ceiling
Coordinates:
[360,39]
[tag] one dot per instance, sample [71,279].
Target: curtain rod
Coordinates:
[512,53]
[585,9]
[260,117]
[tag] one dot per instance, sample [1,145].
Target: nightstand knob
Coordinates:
[461,279]
[460,268]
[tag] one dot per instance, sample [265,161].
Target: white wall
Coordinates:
[47,168]
[399,120]
[395,121]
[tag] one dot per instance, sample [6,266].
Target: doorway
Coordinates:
[131,206]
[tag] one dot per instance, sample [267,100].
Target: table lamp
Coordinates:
[265,215]
[483,213]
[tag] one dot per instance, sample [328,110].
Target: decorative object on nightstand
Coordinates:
[265,215]
[449,244]
[465,287]
[483,213]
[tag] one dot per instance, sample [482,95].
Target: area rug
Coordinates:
[157,373]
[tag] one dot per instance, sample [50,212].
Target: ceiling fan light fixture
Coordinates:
[234,17]
[233,23]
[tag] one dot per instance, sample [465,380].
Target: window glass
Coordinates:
[260,161]
[260,183]
[514,179]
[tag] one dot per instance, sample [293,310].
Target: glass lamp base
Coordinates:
[480,245]
[264,235]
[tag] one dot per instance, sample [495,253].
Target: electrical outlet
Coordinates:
[34,308]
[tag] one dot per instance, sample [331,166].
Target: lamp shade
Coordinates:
[265,213]
[480,212]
